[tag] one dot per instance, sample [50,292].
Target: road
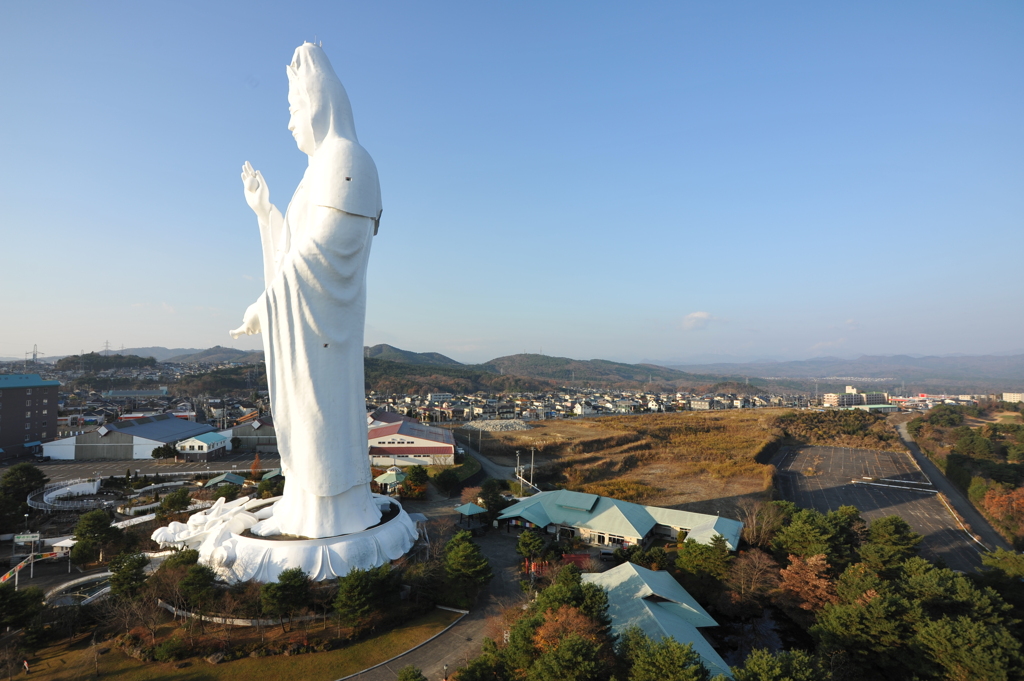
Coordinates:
[492,469]
[965,508]
[67,470]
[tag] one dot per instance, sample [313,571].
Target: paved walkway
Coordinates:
[463,641]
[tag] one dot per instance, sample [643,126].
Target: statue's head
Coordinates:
[317,100]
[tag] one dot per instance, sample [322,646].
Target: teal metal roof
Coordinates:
[271,474]
[700,526]
[225,477]
[389,478]
[11,381]
[210,438]
[470,509]
[655,602]
[578,501]
[621,518]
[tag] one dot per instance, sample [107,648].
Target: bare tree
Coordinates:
[761,520]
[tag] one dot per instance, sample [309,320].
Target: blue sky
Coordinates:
[645,181]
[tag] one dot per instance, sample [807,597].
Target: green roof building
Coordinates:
[656,603]
[604,521]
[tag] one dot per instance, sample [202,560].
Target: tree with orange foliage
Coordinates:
[254,470]
[805,585]
[563,621]
[1005,505]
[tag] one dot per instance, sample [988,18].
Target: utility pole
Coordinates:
[533,451]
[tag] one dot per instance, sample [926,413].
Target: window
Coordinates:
[28,414]
[29,391]
[44,412]
[27,426]
[28,403]
[44,434]
[45,401]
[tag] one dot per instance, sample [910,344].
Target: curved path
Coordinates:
[463,641]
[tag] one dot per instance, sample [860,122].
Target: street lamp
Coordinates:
[26,522]
[446,672]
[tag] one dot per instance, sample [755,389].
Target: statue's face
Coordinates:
[300,124]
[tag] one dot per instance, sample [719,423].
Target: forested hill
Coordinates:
[565,370]
[92,362]
[393,354]
[397,377]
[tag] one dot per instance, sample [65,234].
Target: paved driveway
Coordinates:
[463,641]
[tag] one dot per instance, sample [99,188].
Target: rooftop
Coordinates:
[11,381]
[655,602]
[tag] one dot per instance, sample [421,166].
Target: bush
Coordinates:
[170,650]
[229,492]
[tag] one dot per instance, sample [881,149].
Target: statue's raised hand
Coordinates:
[257,194]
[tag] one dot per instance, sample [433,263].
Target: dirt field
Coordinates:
[702,462]
[879,484]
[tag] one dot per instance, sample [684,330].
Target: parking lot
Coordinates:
[879,484]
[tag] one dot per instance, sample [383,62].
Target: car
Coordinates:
[40,459]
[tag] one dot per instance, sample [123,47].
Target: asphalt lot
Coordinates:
[879,484]
[67,470]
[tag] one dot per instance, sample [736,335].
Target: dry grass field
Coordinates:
[696,461]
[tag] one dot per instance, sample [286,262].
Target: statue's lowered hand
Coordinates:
[257,194]
[250,324]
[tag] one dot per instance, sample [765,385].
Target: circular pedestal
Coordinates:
[240,558]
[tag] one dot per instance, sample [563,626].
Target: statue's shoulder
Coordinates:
[342,175]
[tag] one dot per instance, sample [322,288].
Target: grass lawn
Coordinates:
[466,469]
[71,661]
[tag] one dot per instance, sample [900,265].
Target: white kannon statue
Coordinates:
[313,310]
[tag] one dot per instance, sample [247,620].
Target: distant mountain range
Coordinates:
[392,369]
[160,354]
[956,370]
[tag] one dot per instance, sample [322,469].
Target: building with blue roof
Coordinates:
[612,523]
[203,448]
[656,603]
[126,440]
[28,413]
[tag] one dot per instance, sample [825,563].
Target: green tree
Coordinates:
[573,659]
[197,585]
[875,634]
[18,608]
[176,502]
[890,542]
[416,475]
[360,595]
[703,567]
[287,596]
[21,479]
[530,545]
[665,659]
[785,665]
[164,451]
[487,667]
[411,673]
[228,491]
[128,574]
[182,558]
[94,533]
[447,481]
[464,563]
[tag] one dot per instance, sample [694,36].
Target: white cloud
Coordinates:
[697,320]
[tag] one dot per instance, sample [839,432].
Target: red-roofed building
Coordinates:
[407,442]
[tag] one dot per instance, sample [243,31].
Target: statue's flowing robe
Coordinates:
[312,315]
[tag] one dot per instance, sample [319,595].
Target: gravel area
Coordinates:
[501,424]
